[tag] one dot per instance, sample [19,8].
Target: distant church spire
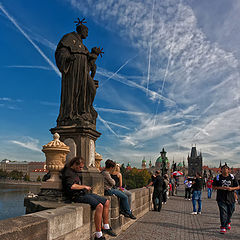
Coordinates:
[220,165]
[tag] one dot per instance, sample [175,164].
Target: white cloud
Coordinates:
[201,77]
[29,143]
[194,79]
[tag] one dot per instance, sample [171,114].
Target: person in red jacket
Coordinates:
[209,186]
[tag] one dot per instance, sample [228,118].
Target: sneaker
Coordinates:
[101,238]
[193,213]
[189,199]
[109,231]
[223,230]
[199,213]
[229,226]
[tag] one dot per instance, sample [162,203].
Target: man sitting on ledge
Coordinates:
[76,192]
[110,189]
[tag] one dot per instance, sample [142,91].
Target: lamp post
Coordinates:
[164,162]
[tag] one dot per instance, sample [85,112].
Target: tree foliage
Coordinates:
[15,175]
[3,174]
[136,178]
[39,179]
[26,177]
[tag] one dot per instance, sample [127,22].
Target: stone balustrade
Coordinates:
[61,221]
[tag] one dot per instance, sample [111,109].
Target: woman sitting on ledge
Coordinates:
[117,176]
[76,192]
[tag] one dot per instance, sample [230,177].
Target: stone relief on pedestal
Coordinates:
[73,151]
[91,153]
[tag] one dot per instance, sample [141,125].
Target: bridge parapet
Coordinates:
[69,221]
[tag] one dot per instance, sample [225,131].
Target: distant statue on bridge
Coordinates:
[78,88]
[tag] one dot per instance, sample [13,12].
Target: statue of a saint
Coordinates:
[78,88]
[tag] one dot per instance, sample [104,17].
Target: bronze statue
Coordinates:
[78,88]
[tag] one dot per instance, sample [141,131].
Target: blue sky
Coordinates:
[169,76]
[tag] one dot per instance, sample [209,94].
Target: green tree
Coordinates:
[3,174]
[39,179]
[15,175]
[137,178]
[26,178]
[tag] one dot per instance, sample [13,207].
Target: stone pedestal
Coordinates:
[81,141]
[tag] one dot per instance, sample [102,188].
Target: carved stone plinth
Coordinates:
[82,143]
[95,180]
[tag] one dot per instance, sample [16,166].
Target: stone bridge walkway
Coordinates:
[175,222]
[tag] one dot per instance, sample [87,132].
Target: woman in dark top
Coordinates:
[117,176]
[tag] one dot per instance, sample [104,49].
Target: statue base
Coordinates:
[81,141]
[51,185]
[94,180]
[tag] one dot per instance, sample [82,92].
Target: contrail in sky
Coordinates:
[119,69]
[107,126]
[120,111]
[153,95]
[30,40]
[150,48]
[29,66]
[169,58]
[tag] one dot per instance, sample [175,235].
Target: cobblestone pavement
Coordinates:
[175,222]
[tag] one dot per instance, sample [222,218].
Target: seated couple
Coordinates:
[113,186]
[77,192]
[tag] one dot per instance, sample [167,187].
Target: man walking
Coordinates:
[197,194]
[225,184]
[159,186]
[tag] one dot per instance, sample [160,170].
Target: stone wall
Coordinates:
[70,221]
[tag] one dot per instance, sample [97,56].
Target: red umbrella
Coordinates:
[177,173]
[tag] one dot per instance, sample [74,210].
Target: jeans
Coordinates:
[157,200]
[129,195]
[197,197]
[209,190]
[226,211]
[124,205]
